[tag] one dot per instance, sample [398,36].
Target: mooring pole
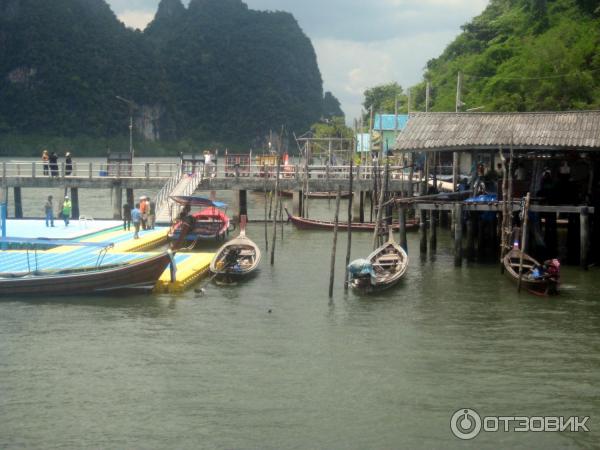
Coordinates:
[523,239]
[349,244]
[275,215]
[335,233]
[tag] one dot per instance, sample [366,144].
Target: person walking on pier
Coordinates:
[49,210]
[136,218]
[66,210]
[45,161]
[68,164]
[53,164]
[126,217]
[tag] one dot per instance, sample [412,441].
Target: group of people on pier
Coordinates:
[50,163]
[64,211]
[142,215]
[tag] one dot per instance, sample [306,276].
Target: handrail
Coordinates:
[173,171]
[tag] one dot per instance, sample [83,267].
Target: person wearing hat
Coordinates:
[68,164]
[144,209]
[66,210]
[46,161]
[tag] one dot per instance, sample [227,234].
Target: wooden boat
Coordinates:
[314,224]
[382,269]
[208,223]
[237,258]
[532,280]
[124,278]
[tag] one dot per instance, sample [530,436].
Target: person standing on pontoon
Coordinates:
[66,210]
[49,210]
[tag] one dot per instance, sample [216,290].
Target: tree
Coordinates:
[331,106]
[383,98]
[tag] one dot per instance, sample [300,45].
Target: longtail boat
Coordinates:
[318,194]
[237,258]
[190,228]
[123,278]
[537,278]
[314,224]
[382,269]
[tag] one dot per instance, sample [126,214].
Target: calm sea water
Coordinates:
[273,364]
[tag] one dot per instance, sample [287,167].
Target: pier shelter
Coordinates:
[555,157]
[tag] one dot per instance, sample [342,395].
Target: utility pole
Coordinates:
[427,97]
[132,105]
[455,155]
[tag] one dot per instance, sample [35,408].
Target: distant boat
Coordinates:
[314,224]
[237,258]
[382,269]
[123,278]
[532,278]
[208,223]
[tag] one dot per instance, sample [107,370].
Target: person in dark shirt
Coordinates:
[126,217]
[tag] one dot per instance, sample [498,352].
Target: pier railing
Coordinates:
[170,170]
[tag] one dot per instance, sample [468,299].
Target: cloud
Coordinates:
[358,44]
[349,68]
[136,18]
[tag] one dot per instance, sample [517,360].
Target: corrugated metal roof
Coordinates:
[464,131]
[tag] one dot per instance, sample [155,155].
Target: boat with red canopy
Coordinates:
[189,228]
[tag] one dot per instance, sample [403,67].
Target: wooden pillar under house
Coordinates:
[584,237]
[433,230]
[423,231]
[470,236]
[458,208]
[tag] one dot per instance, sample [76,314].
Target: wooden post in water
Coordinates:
[335,232]
[523,238]
[402,227]
[584,237]
[458,234]
[266,219]
[423,231]
[432,230]
[275,215]
[470,236]
[349,243]
[379,214]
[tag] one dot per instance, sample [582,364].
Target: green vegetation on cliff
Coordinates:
[521,55]
[214,73]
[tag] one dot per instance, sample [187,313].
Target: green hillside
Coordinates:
[214,73]
[521,55]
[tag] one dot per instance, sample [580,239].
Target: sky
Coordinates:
[359,44]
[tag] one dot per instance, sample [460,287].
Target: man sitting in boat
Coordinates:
[186,223]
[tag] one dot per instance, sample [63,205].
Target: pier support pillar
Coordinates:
[236,206]
[458,235]
[423,231]
[18,203]
[297,203]
[130,198]
[584,237]
[244,202]
[75,203]
[117,201]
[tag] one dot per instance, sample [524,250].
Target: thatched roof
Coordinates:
[488,131]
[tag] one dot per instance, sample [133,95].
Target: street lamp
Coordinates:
[132,105]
